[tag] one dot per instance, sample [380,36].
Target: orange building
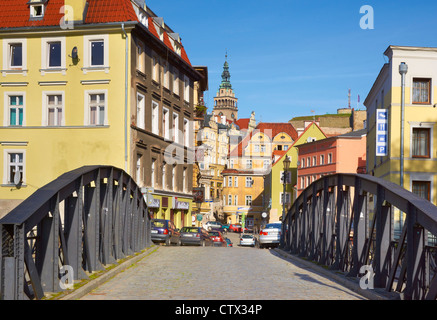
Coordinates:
[340,154]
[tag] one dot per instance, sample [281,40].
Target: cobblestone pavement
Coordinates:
[208,273]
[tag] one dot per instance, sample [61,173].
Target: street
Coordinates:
[224,273]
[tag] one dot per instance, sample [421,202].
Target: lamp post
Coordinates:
[403,69]
[286,163]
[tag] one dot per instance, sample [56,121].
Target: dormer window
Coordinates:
[37,8]
[37,11]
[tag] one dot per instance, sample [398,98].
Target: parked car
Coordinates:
[226,227]
[164,231]
[247,240]
[195,236]
[228,242]
[217,238]
[270,235]
[213,224]
[236,228]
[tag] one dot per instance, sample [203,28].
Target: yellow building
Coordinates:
[274,187]
[71,94]
[249,165]
[417,152]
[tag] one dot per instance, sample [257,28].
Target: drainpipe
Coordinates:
[125,97]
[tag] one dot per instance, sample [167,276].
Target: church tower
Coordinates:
[225,103]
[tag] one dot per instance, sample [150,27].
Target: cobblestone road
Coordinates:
[237,273]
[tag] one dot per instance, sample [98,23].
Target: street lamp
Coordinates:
[286,163]
[403,69]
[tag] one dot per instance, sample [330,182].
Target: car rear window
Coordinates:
[158,224]
[273,226]
[246,236]
[190,230]
[214,234]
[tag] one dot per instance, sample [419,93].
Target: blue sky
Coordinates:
[289,57]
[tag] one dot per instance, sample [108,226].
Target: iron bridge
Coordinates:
[347,222]
[85,219]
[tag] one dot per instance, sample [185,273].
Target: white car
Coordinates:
[270,235]
[247,240]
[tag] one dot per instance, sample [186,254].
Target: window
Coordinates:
[288,178]
[186,134]
[155,69]
[97,53]
[138,174]
[141,57]
[309,162]
[15,110]
[303,163]
[235,182]
[266,164]
[175,134]
[421,139]
[173,177]
[15,171]
[322,159]
[184,179]
[166,75]
[229,200]
[165,123]
[54,54]
[155,118]
[152,173]
[186,89]
[256,148]
[422,189]
[248,164]
[15,55]
[55,107]
[236,200]
[285,147]
[248,200]
[421,90]
[263,148]
[97,109]
[141,118]
[231,164]
[314,161]
[229,181]
[37,11]
[175,81]
[249,182]
[329,158]
[164,183]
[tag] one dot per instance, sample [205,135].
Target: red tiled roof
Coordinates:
[184,56]
[243,123]
[167,41]
[15,14]
[278,128]
[104,11]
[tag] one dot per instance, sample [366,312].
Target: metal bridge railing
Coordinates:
[83,220]
[347,222]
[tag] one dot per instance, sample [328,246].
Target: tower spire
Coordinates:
[226,75]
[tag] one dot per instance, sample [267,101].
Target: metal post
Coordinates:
[403,69]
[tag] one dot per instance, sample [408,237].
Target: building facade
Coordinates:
[92,86]
[417,154]
[345,153]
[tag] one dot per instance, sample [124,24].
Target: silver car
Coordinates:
[247,240]
[270,235]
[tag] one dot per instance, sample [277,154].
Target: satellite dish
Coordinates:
[17,179]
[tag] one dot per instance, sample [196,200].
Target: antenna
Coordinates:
[349,98]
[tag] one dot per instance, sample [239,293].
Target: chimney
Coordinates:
[78,13]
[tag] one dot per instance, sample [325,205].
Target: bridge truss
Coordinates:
[347,222]
[85,219]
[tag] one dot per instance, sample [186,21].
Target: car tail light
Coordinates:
[262,233]
[165,231]
[198,235]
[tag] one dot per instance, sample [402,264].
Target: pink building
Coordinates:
[345,153]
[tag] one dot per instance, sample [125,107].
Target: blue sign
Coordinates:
[381,132]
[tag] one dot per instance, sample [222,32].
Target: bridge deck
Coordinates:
[237,273]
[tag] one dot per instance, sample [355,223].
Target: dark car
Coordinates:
[196,236]
[164,231]
[217,238]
